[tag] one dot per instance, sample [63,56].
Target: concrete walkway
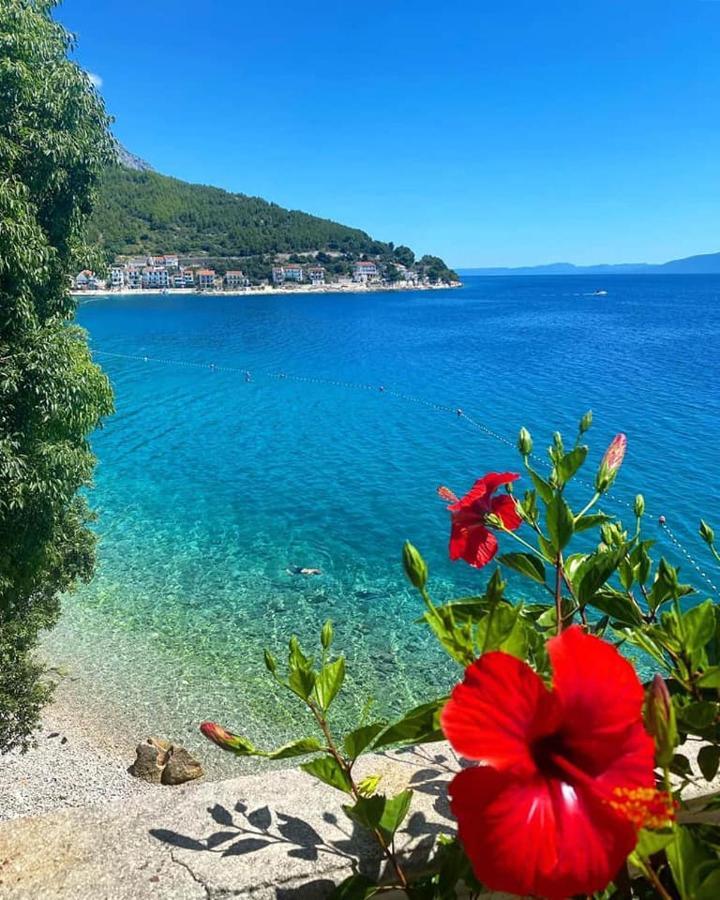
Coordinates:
[275,835]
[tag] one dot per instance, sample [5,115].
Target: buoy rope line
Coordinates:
[457,411]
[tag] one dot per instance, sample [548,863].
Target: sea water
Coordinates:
[212,483]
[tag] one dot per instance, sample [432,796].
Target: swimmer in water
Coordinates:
[302,570]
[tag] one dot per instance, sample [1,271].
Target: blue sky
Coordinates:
[503,133]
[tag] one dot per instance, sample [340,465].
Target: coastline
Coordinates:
[354,288]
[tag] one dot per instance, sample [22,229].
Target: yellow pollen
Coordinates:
[644,807]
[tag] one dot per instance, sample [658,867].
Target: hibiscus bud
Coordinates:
[494,520]
[659,714]
[270,663]
[639,507]
[525,442]
[415,566]
[586,422]
[706,533]
[226,739]
[610,463]
[326,634]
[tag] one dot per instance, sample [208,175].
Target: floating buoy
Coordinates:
[382,389]
[662,520]
[460,412]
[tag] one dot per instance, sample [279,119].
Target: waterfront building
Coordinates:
[316,274]
[293,272]
[365,271]
[235,280]
[278,274]
[117,276]
[155,277]
[133,276]
[206,279]
[188,278]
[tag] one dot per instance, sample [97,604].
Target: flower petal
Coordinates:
[484,487]
[505,507]
[500,707]
[537,836]
[475,544]
[602,699]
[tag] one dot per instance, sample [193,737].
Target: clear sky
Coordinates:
[491,133]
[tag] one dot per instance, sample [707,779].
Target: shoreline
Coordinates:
[267,290]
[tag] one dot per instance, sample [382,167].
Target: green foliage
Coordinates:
[53,146]
[144,212]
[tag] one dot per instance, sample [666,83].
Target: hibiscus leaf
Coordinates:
[560,522]
[594,572]
[328,770]
[708,761]
[394,813]
[361,738]
[699,626]
[541,486]
[620,609]
[367,811]
[296,748]
[418,726]
[585,523]
[356,887]
[455,638]
[525,563]
[329,681]
[503,629]
[568,465]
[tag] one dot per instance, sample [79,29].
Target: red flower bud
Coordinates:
[226,740]
[610,463]
[659,714]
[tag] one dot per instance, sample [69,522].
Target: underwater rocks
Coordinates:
[158,761]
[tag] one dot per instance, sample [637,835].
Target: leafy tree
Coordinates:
[404,256]
[54,144]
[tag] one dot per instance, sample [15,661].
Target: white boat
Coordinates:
[599,294]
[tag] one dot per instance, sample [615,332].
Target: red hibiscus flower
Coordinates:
[470,537]
[567,774]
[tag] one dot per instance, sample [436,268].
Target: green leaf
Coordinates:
[528,565]
[570,463]
[396,809]
[329,681]
[593,573]
[418,726]
[708,761]
[328,770]
[699,626]
[503,628]
[698,715]
[296,748]
[301,682]
[361,738]
[560,522]
[652,842]
[621,609]
[689,858]
[456,639]
[710,678]
[543,488]
[367,811]
[585,523]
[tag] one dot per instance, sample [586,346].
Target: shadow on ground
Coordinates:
[332,841]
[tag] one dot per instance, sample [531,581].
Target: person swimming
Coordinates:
[303,570]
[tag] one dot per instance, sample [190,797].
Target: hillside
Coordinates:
[140,211]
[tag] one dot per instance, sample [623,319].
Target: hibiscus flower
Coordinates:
[470,536]
[566,775]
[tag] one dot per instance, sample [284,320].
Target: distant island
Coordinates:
[703,264]
[219,240]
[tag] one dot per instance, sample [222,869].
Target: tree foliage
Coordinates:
[53,146]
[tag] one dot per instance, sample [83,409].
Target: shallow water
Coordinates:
[209,487]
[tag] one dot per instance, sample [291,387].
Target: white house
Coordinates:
[293,272]
[188,278]
[316,274]
[117,276]
[235,280]
[278,274]
[155,277]
[365,271]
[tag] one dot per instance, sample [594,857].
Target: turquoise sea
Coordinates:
[210,485]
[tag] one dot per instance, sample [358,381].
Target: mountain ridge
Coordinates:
[699,264]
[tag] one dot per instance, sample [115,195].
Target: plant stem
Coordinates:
[593,500]
[347,769]
[523,542]
[558,592]
[653,878]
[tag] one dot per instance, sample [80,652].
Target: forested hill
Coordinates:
[144,212]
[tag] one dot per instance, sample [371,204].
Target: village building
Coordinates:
[206,279]
[117,276]
[278,275]
[364,271]
[235,280]
[316,274]
[293,272]
[155,277]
